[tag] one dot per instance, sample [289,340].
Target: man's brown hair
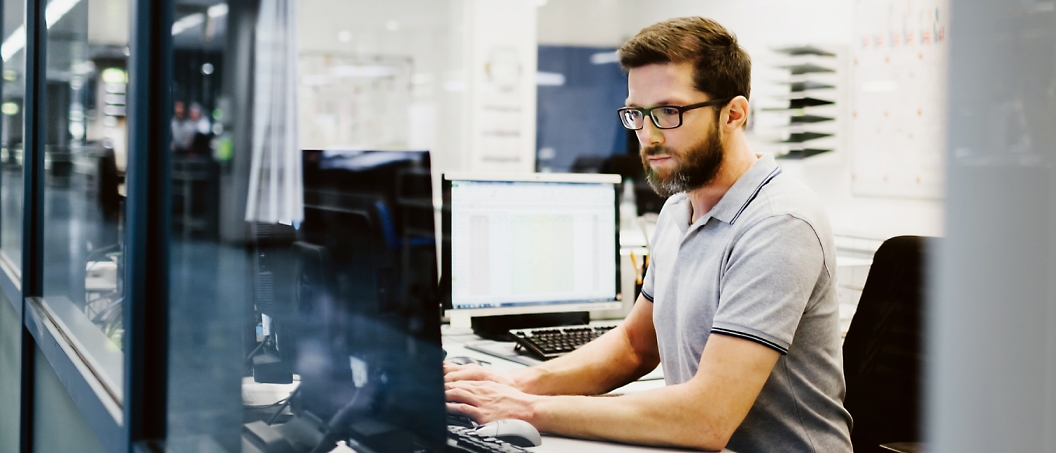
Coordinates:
[721,68]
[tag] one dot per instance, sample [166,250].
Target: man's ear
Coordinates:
[736,113]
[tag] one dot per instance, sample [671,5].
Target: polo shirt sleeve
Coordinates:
[648,282]
[771,273]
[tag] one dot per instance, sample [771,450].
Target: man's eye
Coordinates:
[669,111]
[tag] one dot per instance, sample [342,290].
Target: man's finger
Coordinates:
[461,395]
[464,409]
[466,384]
[468,374]
[450,367]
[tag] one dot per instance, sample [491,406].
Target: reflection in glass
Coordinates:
[325,330]
[84,161]
[210,279]
[11,137]
[348,303]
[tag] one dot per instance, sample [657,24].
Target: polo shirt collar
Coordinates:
[743,191]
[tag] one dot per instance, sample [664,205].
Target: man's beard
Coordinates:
[696,167]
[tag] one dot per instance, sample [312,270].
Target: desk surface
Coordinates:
[455,345]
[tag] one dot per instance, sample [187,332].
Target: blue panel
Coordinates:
[57,423]
[578,118]
[10,337]
[47,352]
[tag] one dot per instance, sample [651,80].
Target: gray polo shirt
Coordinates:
[759,266]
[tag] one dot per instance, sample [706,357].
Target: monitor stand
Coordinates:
[498,327]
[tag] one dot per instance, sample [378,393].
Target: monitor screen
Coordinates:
[531,241]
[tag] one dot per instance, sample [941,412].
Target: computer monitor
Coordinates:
[529,244]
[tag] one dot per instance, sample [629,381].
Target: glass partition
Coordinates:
[303,291]
[13,94]
[210,277]
[84,162]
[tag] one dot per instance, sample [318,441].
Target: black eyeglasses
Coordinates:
[664,116]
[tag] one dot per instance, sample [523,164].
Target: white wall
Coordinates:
[449,41]
[456,47]
[428,33]
[500,61]
[587,23]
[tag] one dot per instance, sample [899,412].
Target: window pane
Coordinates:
[14,84]
[209,299]
[333,302]
[85,154]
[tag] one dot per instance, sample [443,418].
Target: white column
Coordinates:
[500,54]
[992,329]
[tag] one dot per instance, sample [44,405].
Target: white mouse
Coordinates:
[513,431]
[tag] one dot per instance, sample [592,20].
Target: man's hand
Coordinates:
[486,401]
[454,373]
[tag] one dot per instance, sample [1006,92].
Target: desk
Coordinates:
[455,345]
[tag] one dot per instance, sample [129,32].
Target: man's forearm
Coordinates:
[670,416]
[597,367]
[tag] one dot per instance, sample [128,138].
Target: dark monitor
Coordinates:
[362,319]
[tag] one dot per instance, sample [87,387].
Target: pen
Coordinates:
[637,275]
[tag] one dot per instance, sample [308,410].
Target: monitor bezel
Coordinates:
[460,317]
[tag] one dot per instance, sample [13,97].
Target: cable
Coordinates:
[340,418]
[285,403]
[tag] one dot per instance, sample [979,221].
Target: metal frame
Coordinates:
[32,206]
[143,403]
[148,222]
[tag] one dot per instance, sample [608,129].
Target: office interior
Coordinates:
[164,167]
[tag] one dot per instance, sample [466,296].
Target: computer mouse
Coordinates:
[513,431]
[461,360]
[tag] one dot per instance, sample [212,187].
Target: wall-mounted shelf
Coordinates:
[809,119]
[809,85]
[805,50]
[803,121]
[799,154]
[808,68]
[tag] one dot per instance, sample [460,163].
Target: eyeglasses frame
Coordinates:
[681,109]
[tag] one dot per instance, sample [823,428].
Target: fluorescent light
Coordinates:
[217,10]
[604,58]
[549,79]
[17,41]
[187,22]
[13,43]
[56,9]
[193,20]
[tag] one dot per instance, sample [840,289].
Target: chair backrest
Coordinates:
[882,355]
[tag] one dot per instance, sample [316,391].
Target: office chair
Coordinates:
[882,356]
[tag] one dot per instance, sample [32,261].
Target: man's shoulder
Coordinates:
[785,196]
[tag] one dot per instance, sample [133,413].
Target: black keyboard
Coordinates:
[545,344]
[461,439]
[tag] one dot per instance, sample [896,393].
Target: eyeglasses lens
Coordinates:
[632,119]
[666,117]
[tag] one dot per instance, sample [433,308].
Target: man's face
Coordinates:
[684,158]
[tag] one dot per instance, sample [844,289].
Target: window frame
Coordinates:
[143,393]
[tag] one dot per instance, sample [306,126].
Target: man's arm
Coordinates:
[619,356]
[702,413]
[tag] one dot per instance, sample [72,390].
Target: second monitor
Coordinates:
[529,245]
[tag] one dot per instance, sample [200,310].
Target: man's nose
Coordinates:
[649,134]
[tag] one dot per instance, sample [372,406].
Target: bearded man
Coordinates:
[739,303]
